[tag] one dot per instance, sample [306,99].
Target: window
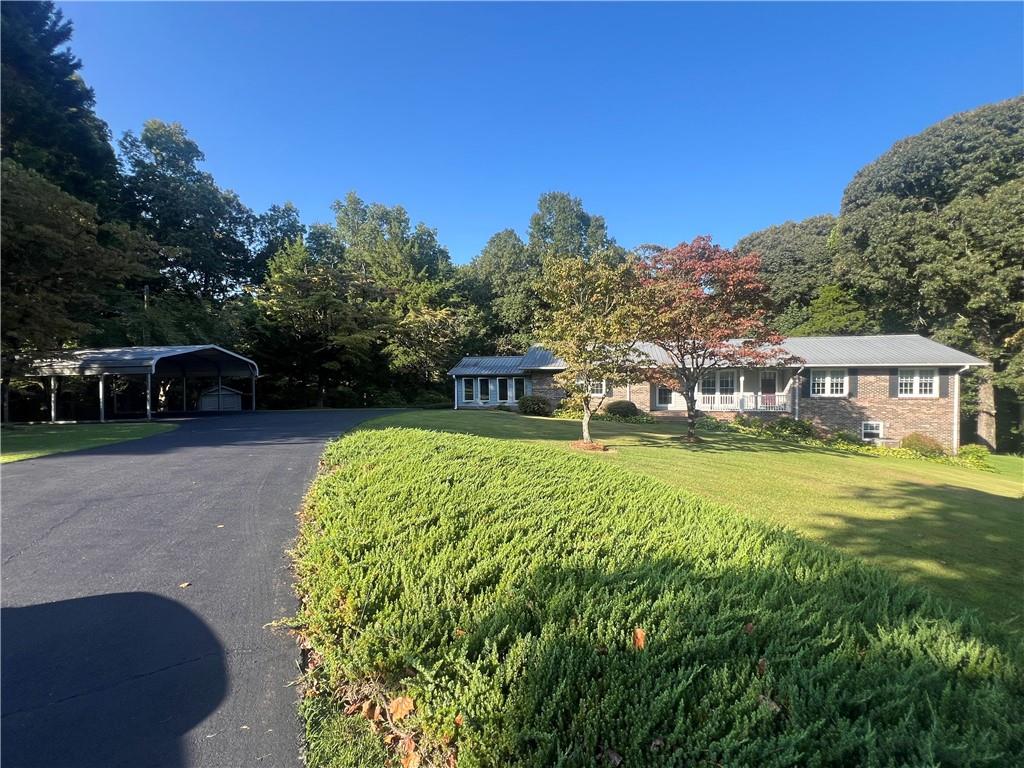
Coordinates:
[595,387]
[503,390]
[519,387]
[917,382]
[467,390]
[485,390]
[726,382]
[828,383]
[664,396]
[871,430]
[707,384]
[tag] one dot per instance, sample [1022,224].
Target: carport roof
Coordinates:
[195,360]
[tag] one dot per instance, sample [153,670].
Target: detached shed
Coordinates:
[220,398]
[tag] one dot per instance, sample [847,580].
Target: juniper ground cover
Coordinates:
[477,602]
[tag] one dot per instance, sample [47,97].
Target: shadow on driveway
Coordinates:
[106,680]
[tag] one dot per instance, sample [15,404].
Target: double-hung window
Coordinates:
[871,430]
[664,395]
[596,387]
[468,392]
[485,390]
[917,382]
[518,387]
[826,382]
[502,390]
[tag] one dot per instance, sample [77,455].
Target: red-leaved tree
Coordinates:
[710,312]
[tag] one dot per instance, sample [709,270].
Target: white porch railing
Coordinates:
[744,402]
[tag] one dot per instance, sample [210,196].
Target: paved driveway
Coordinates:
[107,660]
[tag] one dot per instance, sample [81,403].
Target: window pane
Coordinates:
[906,384]
[520,387]
[726,382]
[837,382]
[664,396]
[467,389]
[597,387]
[926,382]
[707,384]
[871,429]
[485,389]
[503,389]
[818,382]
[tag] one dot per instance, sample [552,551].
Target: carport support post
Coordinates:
[53,398]
[219,406]
[254,394]
[103,405]
[184,393]
[149,397]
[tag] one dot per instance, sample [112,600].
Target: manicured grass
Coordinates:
[33,441]
[537,608]
[958,531]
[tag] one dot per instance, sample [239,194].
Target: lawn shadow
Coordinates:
[106,680]
[975,538]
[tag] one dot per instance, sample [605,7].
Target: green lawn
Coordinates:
[30,442]
[958,531]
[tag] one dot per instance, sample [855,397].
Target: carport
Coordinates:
[154,363]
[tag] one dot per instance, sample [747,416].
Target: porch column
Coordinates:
[742,391]
[149,397]
[103,407]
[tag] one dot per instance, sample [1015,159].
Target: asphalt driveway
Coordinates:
[107,659]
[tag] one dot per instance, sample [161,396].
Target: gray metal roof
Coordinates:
[816,351]
[195,360]
[488,366]
[906,349]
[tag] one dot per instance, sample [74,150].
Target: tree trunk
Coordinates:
[690,396]
[321,394]
[987,414]
[586,422]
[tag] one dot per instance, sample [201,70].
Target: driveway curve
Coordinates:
[138,580]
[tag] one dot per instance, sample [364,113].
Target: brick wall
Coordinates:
[900,416]
[544,386]
[638,394]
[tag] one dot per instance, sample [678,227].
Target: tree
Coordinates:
[561,227]
[795,265]
[504,278]
[317,323]
[427,342]
[276,228]
[710,311]
[47,118]
[594,321]
[834,311]
[205,233]
[930,236]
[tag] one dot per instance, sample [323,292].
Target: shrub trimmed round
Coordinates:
[623,408]
[546,608]
[922,445]
[532,405]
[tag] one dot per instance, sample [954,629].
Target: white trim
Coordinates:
[157,358]
[880,430]
[828,381]
[915,383]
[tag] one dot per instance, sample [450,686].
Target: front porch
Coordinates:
[736,391]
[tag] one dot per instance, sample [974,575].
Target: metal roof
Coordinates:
[488,366]
[195,360]
[906,349]
[815,351]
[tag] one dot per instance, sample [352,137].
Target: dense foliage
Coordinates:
[507,604]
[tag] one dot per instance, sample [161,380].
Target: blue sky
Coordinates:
[669,120]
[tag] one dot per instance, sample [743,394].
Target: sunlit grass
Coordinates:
[30,442]
[958,531]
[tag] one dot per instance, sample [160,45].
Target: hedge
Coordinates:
[536,608]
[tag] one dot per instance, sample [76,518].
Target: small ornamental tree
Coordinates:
[593,322]
[710,311]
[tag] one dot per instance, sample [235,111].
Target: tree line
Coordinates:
[132,242]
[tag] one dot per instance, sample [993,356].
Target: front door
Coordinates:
[769,387]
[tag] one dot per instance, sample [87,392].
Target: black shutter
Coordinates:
[894,382]
[805,384]
[851,376]
[944,382]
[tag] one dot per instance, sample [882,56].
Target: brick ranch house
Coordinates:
[879,387]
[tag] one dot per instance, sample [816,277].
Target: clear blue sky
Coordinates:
[669,120]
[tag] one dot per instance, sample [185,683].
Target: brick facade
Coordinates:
[900,416]
[544,386]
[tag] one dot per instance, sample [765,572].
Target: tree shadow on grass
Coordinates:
[965,543]
[107,680]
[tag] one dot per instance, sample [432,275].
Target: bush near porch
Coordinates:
[533,607]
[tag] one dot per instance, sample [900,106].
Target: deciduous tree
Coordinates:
[710,311]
